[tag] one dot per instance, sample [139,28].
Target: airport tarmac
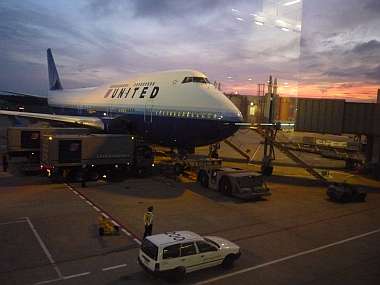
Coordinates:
[296,236]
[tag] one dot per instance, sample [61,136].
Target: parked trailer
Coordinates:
[90,157]
[22,141]
[235,182]
[25,143]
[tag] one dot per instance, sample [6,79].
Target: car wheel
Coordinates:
[225,186]
[178,274]
[203,178]
[228,261]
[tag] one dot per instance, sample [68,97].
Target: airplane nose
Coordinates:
[234,115]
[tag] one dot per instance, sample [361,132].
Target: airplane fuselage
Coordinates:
[164,107]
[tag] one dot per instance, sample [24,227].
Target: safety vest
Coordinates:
[148,218]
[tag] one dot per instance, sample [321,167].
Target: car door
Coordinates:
[171,257]
[209,254]
[189,257]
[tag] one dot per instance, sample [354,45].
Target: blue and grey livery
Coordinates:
[177,108]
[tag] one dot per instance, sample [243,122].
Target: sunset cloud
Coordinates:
[96,41]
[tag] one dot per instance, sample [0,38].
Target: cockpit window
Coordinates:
[195,79]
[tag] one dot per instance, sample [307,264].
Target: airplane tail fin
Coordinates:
[54,82]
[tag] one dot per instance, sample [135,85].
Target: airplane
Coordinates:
[176,108]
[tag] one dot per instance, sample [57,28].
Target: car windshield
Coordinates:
[196,80]
[149,249]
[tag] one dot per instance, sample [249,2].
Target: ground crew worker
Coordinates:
[148,222]
[5,163]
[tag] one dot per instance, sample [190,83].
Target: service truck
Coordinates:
[24,144]
[243,184]
[92,156]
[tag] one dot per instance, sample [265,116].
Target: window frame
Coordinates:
[178,245]
[194,246]
[207,243]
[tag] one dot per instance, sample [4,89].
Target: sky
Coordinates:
[335,53]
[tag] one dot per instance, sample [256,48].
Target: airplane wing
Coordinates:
[77,120]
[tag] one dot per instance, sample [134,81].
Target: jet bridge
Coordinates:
[338,117]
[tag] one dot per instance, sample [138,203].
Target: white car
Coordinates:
[173,254]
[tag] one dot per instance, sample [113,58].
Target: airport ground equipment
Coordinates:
[106,227]
[25,143]
[271,140]
[237,149]
[344,192]
[178,166]
[347,151]
[90,157]
[235,182]
[213,150]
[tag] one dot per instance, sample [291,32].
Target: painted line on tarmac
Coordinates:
[211,280]
[126,232]
[105,215]
[98,209]
[114,267]
[290,228]
[137,241]
[76,275]
[48,281]
[63,278]
[13,222]
[44,248]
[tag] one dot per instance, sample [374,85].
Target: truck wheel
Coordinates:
[362,197]
[93,175]
[203,178]
[346,198]
[225,186]
[178,169]
[228,261]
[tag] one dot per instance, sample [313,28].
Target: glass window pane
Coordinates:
[205,247]
[188,249]
[171,251]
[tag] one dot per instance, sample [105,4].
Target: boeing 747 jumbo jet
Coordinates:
[178,108]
